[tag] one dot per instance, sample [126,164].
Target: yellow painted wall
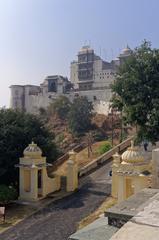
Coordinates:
[27,180]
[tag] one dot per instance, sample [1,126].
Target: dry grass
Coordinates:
[109,202]
[14,214]
[82,158]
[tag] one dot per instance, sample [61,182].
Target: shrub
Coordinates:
[105,147]
[61,106]
[7,194]
[79,118]
[98,135]
[17,130]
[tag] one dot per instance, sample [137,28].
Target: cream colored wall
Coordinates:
[29,178]
[140,183]
[155,168]
[114,185]
[121,189]
[72,176]
[50,184]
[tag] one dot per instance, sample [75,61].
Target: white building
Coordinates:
[90,76]
[90,71]
[31,98]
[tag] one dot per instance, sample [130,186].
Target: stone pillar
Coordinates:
[155,168]
[72,176]
[34,183]
[140,182]
[115,166]
[121,188]
[44,181]
[21,182]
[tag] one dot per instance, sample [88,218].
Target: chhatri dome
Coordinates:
[126,52]
[131,175]
[86,49]
[32,150]
[132,155]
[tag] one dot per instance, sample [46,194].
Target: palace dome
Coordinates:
[132,155]
[126,52]
[32,151]
[86,49]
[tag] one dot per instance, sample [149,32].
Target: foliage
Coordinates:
[98,135]
[17,130]
[7,194]
[136,91]
[80,114]
[59,138]
[105,147]
[61,106]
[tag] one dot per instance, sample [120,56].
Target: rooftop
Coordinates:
[134,204]
[95,231]
[145,224]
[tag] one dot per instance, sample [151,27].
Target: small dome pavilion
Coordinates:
[130,173]
[33,179]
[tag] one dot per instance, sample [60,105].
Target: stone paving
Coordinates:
[59,219]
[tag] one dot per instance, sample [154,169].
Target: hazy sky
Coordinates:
[42,37]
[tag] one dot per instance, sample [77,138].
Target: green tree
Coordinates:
[105,147]
[61,106]
[17,130]
[136,91]
[7,194]
[80,115]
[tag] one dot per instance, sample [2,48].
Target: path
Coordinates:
[59,220]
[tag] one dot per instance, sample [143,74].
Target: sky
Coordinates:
[41,37]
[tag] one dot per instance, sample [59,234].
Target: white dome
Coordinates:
[86,49]
[32,150]
[126,51]
[132,155]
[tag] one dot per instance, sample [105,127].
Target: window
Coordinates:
[95,98]
[16,92]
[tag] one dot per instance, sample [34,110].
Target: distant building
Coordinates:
[90,76]
[90,71]
[30,98]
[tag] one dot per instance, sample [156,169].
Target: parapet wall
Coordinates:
[105,157]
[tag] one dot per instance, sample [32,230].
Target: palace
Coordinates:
[90,76]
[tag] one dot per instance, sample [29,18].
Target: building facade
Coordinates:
[90,76]
[31,98]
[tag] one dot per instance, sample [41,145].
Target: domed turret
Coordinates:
[85,49]
[126,52]
[132,155]
[32,151]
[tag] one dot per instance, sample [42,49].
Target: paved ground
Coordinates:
[59,220]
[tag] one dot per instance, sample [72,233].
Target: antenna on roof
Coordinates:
[100,51]
[85,42]
[112,53]
[105,53]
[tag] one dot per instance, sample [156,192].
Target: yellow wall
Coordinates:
[27,180]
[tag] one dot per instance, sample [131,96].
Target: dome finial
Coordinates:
[32,150]
[132,143]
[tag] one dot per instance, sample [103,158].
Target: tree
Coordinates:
[61,106]
[17,130]
[79,118]
[7,194]
[105,147]
[136,91]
